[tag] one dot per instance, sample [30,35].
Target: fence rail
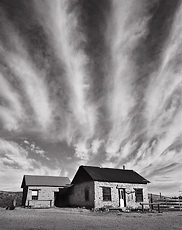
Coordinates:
[164,205]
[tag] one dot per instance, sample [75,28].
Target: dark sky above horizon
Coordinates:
[88,82]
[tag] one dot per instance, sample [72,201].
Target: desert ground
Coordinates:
[68,219]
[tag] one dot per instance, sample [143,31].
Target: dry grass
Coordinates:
[67,219]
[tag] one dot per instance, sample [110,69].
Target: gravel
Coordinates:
[70,219]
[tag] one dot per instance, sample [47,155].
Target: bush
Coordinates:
[6,198]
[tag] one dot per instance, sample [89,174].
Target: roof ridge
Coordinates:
[106,168]
[46,176]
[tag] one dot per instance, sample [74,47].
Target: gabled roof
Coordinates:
[48,181]
[90,173]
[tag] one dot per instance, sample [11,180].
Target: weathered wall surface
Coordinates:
[25,190]
[130,194]
[77,195]
[45,197]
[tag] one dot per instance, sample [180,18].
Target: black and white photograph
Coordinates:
[90,114]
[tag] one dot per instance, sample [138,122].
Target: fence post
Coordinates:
[142,207]
[151,201]
[179,204]
[158,207]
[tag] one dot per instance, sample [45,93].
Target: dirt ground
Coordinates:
[70,219]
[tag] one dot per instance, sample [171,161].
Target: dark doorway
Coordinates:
[61,198]
[56,198]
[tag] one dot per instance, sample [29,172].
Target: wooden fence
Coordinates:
[164,205]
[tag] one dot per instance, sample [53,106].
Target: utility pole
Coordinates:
[180,193]
[180,196]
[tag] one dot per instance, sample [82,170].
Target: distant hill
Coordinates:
[6,198]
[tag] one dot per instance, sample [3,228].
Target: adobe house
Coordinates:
[44,191]
[95,187]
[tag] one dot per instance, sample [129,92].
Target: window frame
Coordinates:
[138,194]
[35,197]
[106,193]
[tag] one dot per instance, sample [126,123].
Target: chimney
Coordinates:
[123,167]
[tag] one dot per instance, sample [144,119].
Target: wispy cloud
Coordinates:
[126,26]
[31,146]
[15,162]
[11,109]
[63,28]
[22,76]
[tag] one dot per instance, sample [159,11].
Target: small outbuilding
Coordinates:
[44,191]
[95,187]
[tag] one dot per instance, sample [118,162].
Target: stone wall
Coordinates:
[45,197]
[77,195]
[130,194]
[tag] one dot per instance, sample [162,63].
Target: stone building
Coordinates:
[95,187]
[44,191]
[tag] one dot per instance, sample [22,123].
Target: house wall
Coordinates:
[77,195]
[45,197]
[25,189]
[130,194]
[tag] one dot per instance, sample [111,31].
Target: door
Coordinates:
[122,197]
[56,199]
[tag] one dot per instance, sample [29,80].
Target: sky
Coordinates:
[88,82]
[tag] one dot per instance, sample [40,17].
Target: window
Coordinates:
[34,194]
[86,194]
[139,195]
[106,193]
